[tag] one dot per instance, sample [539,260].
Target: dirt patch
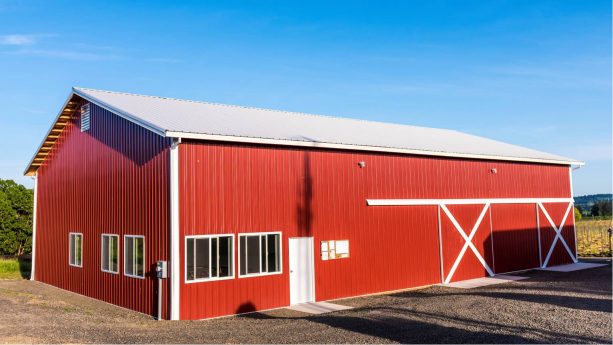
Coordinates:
[550,307]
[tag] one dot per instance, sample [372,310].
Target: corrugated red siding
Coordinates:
[559,255]
[515,237]
[110,179]
[229,188]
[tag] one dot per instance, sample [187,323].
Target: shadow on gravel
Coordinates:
[412,331]
[399,325]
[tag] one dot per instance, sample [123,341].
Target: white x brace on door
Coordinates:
[558,230]
[468,241]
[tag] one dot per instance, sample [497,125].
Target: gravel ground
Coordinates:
[549,307]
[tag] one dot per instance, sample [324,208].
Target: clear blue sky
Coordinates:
[534,73]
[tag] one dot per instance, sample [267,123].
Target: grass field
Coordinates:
[14,269]
[593,238]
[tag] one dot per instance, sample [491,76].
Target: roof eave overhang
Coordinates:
[66,114]
[69,108]
[299,143]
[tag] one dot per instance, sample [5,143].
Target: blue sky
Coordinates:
[534,73]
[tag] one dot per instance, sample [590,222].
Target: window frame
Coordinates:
[200,280]
[134,261]
[260,234]
[70,234]
[102,253]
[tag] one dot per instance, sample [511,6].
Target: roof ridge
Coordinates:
[265,109]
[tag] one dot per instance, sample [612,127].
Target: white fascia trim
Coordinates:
[33,264]
[175,264]
[424,202]
[231,138]
[135,119]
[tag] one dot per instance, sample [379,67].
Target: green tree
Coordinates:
[16,203]
[577,214]
[595,210]
[604,208]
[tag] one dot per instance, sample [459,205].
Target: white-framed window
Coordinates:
[209,257]
[109,259]
[259,254]
[134,256]
[75,249]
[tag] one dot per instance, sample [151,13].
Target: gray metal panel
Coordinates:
[174,115]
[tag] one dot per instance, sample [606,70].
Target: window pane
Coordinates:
[274,257]
[105,253]
[114,254]
[253,254]
[202,258]
[140,257]
[263,253]
[71,249]
[129,256]
[78,250]
[225,256]
[214,268]
[242,260]
[189,257]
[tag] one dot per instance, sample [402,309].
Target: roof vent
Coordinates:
[85,120]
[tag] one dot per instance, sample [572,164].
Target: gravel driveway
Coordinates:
[549,307]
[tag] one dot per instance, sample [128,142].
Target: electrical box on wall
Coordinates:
[331,250]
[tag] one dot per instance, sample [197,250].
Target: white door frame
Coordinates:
[312,264]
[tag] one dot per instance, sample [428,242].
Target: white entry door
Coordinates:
[301,281]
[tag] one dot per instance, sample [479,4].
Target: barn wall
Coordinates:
[230,188]
[515,237]
[110,179]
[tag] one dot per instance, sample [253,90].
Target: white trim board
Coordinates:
[175,243]
[33,264]
[425,202]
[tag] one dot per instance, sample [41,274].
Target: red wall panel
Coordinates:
[110,179]
[556,212]
[515,237]
[232,188]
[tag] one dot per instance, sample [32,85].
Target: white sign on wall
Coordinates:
[331,250]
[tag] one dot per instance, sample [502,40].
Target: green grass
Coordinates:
[14,269]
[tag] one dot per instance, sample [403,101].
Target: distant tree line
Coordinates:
[16,203]
[598,209]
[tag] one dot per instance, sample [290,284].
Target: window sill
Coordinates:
[206,280]
[253,275]
[133,276]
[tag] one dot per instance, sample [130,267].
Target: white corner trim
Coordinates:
[175,263]
[33,264]
[433,202]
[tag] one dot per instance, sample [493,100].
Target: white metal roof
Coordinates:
[210,121]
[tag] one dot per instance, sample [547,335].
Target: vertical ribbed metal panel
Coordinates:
[112,178]
[515,237]
[231,188]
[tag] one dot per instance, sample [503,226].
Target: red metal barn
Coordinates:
[255,209]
